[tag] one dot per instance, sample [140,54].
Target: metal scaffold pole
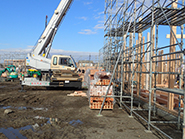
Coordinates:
[140,67]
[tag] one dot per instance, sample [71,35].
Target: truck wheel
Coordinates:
[48,88]
[79,87]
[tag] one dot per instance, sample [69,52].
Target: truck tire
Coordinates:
[79,87]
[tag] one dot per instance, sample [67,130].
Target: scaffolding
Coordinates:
[142,64]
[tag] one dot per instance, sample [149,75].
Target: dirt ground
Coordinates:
[43,114]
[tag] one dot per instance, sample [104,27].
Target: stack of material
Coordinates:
[89,75]
[77,94]
[92,72]
[98,85]
[4,75]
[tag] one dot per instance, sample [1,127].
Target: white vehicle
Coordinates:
[60,70]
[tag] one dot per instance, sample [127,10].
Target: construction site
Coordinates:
[133,89]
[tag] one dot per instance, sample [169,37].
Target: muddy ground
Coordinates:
[43,114]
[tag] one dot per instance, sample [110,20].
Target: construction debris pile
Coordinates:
[98,82]
[77,94]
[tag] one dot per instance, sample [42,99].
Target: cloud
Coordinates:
[30,46]
[14,50]
[87,3]
[77,55]
[87,32]
[22,53]
[83,18]
[59,51]
[56,51]
[98,15]
[99,26]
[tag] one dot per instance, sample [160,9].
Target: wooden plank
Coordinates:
[172,64]
[130,59]
[143,67]
[138,62]
[153,64]
[147,65]
[160,68]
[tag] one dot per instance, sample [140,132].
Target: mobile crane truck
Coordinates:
[60,70]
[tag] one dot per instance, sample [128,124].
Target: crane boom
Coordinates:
[38,58]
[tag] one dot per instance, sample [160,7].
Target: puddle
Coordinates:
[75,122]
[5,107]
[2,86]
[39,117]
[54,120]
[49,120]
[23,108]
[12,133]
[40,109]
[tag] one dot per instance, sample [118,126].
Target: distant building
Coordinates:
[20,64]
[85,63]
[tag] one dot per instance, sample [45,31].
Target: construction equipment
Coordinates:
[60,70]
[9,73]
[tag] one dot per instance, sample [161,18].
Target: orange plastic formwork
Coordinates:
[100,99]
[103,82]
[96,98]
[100,90]
[98,104]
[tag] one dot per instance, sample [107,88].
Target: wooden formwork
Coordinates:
[171,101]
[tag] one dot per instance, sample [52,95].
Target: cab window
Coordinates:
[55,61]
[63,61]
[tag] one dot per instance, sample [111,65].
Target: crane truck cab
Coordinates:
[64,72]
[63,62]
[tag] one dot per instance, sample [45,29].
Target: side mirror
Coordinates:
[79,70]
[83,71]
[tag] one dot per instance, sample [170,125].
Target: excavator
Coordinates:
[60,70]
[9,73]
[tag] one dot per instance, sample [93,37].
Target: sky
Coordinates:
[23,21]
[81,32]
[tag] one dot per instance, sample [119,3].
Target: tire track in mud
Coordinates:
[28,100]
[1,101]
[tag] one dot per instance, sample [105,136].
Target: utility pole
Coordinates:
[89,59]
[46,22]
